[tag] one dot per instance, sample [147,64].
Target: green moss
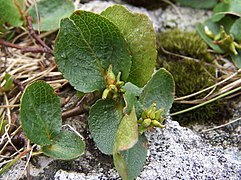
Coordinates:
[190,76]
[184,43]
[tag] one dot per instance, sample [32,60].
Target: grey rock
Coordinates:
[225,135]
[173,153]
[176,153]
[172,17]
[179,153]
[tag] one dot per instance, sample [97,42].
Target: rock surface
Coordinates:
[182,18]
[177,153]
[228,135]
[174,152]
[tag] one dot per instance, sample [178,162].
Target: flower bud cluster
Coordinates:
[223,40]
[113,84]
[150,118]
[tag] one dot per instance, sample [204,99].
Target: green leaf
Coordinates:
[129,87]
[140,36]
[3,124]
[120,164]
[237,59]
[40,113]
[159,89]
[205,4]
[215,28]
[9,13]
[9,82]
[130,100]
[104,120]
[219,16]
[232,7]
[235,6]
[130,163]
[227,22]
[50,12]
[66,146]
[86,45]
[132,92]
[127,134]
[130,96]
[218,9]
[236,30]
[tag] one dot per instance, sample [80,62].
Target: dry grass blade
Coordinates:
[25,69]
[223,125]
[208,88]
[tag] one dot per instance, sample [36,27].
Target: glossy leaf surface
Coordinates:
[127,133]
[66,146]
[86,45]
[104,120]
[140,36]
[159,89]
[50,12]
[9,12]
[130,163]
[40,113]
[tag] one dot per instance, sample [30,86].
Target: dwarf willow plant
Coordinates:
[40,114]
[114,53]
[222,31]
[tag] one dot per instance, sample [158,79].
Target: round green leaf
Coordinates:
[236,30]
[129,87]
[66,146]
[215,28]
[127,134]
[205,4]
[130,98]
[159,89]
[86,45]
[225,8]
[9,13]
[40,113]
[130,163]
[50,12]
[104,120]
[237,59]
[218,9]
[140,36]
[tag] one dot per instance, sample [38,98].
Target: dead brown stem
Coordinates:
[25,49]
[43,49]
[35,36]
[82,107]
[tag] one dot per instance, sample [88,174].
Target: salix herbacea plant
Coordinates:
[222,31]
[114,53]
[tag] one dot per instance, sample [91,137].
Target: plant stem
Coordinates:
[35,36]
[82,106]
[24,49]
[207,102]
[42,49]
